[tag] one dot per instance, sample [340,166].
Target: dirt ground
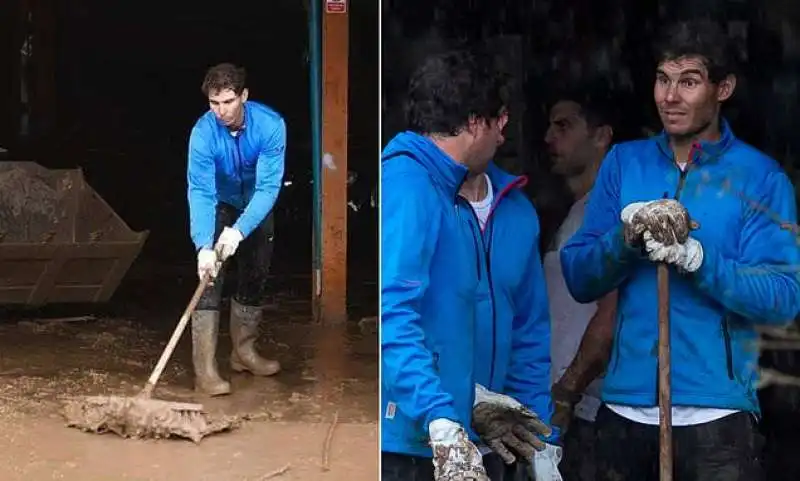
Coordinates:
[328,373]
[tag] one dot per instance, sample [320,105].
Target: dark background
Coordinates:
[126,93]
[607,45]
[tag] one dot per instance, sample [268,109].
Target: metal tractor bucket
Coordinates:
[60,242]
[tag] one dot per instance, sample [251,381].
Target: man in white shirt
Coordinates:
[716,211]
[578,137]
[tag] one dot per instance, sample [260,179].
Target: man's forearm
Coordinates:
[595,348]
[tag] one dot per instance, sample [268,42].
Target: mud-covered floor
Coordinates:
[53,354]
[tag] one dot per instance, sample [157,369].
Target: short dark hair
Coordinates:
[702,38]
[599,105]
[223,77]
[449,89]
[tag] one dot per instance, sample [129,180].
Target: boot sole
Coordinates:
[215,393]
[242,368]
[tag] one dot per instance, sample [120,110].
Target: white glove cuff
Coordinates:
[206,256]
[694,255]
[483,395]
[630,210]
[444,431]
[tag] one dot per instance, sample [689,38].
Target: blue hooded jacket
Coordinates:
[744,207]
[245,171]
[436,309]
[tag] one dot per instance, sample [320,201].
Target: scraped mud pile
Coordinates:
[140,418]
[30,205]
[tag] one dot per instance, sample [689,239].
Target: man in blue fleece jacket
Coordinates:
[736,269]
[463,299]
[235,172]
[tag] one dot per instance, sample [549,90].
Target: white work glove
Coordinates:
[228,242]
[667,220]
[632,231]
[455,457]
[207,263]
[544,465]
[510,429]
[687,257]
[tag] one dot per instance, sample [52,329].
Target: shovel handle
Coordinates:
[664,384]
[176,335]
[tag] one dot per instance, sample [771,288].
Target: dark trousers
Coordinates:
[498,470]
[253,259]
[399,467]
[579,461]
[728,449]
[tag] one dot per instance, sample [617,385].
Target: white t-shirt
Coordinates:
[568,318]
[681,415]
[484,206]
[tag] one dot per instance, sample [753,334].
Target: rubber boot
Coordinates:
[205,329]
[244,331]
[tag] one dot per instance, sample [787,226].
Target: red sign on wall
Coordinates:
[335,6]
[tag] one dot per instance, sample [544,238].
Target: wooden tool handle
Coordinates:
[176,335]
[664,384]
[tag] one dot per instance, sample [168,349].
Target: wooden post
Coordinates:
[332,307]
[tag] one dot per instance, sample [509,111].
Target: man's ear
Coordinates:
[603,136]
[726,88]
[244,95]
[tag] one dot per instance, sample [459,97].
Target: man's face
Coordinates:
[687,100]
[570,143]
[488,136]
[228,107]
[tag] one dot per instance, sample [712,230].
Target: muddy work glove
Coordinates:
[455,457]
[686,257]
[228,242]
[667,220]
[510,429]
[207,263]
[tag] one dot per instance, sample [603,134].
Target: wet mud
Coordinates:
[138,418]
[30,202]
[52,361]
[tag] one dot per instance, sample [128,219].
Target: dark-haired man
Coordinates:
[736,268]
[235,171]
[463,300]
[578,137]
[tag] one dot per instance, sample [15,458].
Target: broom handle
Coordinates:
[664,384]
[176,335]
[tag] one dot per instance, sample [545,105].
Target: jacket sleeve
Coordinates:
[596,259]
[763,284]
[528,379]
[409,231]
[269,176]
[202,191]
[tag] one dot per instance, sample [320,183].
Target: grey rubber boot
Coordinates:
[244,331]
[205,329]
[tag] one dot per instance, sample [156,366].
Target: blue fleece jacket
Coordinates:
[744,207]
[245,171]
[438,312]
